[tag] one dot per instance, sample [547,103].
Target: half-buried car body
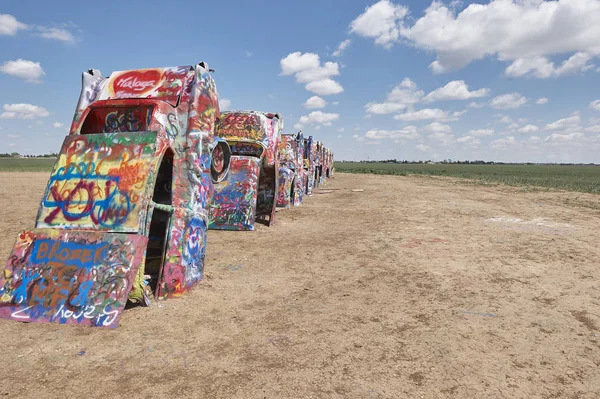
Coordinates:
[248,192]
[291,170]
[309,165]
[124,214]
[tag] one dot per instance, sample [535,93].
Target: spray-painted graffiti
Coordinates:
[163,83]
[117,119]
[243,148]
[240,126]
[141,159]
[194,241]
[249,133]
[316,153]
[287,157]
[221,157]
[92,85]
[268,185]
[182,104]
[70,277]
[172,128]
[286,185]
[274,127]
[300,172]
[99,182]
[309,165]
[234,201]
[291,172]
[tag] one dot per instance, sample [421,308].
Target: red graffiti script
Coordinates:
[136,82]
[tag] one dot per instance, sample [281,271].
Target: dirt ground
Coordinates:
[415,287]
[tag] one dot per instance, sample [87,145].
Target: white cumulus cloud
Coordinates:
[23,111]
[523,33]
[503,143]
[406,133]
[322,72]
[9,25]
[30,71]
[307,68]
[592,129]
[569,123]
[318,119]
[563,138]
[455,90]
[469,141]
[403,95]
[325,87]
[315,102]
[384,108]
[595,105]
[224,104]
[298,62]
[508,101]
[342,46]
[481,132]
[406,94]
[442,138]
[528,129]
[437,127]
[541,67]
[541,101]
[428,113]
[475,105]
[59,34]
[380,22]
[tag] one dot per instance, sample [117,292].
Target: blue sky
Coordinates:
[501,80]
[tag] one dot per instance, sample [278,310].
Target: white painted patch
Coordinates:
[536,222]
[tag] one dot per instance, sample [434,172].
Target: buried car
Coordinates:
[328,159]
[124,214]
[309,165]
[318,146]
[291,170]
[248,191]
[326,163]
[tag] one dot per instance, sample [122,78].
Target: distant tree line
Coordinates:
[17,155]
[445,161]
[467,162]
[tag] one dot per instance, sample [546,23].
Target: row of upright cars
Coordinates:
[262,169]
[149,165]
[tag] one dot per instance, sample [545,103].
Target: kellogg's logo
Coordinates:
[136,82]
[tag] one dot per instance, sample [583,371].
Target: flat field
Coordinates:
[27,164]
[417,287]
[581,178]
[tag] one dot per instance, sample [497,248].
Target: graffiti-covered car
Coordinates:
[124,214]
[325,163]
[318,165]
[309,165]
[291,170]
[329,163]
[248,192]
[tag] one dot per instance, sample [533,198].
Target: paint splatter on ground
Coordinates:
[544,222]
